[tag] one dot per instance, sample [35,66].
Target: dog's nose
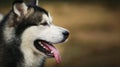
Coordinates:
[66,34]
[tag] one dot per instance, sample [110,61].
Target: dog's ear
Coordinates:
[34,2]
[19,7]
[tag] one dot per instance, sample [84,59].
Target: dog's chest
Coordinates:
[30,59]
[33,61]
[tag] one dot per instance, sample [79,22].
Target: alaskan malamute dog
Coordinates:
[27,35]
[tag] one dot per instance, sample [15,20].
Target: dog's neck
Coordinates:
[31,59]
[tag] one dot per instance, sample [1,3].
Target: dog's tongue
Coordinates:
[54,51]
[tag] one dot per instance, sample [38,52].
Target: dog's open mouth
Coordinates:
[48,49]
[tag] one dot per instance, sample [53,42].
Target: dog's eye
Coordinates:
[44,23]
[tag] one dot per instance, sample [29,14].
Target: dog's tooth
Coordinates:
[42,45]
[52,51]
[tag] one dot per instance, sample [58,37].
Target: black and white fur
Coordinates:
[20,28]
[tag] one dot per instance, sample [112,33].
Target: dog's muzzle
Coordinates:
[48,48]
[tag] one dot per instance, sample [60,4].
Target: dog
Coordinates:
[27,35]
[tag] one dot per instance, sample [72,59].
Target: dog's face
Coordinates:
[36,30]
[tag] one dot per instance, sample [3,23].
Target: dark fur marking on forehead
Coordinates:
[37,8]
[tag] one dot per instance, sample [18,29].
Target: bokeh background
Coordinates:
[94,27]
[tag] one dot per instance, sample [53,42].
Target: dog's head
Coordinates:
[37,33]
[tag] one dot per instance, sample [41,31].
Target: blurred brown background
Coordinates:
[95,31]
